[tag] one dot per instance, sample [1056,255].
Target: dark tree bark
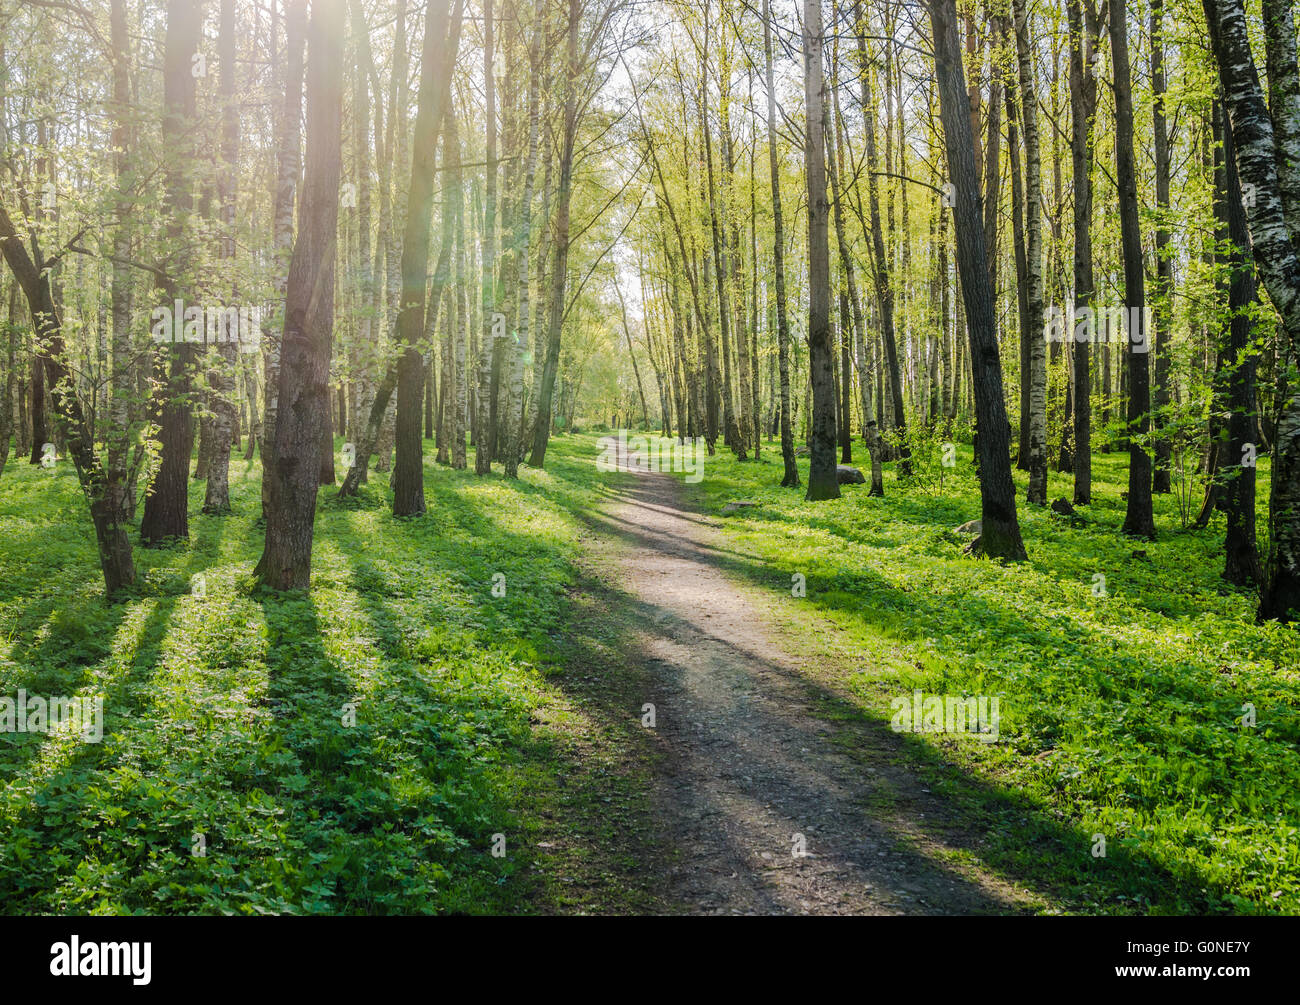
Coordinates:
[790,478]
[40,433]
[823,482]
[1163,292]
[884,286]
[1084,38]
[409,500]
[1000,528]
[850,299]
[1262,163]
[288,164]
[166,504]
[408,472]
[221,376]
[1241,556]
[1037,355]
[1139,520]
[111,500]
[294,477]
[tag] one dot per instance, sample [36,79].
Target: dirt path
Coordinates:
[746,766]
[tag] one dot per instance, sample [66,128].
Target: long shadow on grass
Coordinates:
[1022,841]
[74,834]
[346,826]
[593,819]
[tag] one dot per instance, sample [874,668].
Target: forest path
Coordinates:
[743,763]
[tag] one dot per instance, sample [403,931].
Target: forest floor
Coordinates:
[452,720]
[757,800]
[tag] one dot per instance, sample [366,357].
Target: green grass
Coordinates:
[1120,715]
[224,715]
[478,715]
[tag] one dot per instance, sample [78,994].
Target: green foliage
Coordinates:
[224,715]
[1121,714]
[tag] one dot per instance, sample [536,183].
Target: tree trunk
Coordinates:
[408,472]
[166,505]
[288,165]
[1000,528]
[1258,157]
[482,452]
[1164,286]
[293,479]
[884,286]
[523,246]
[790,477]
[560,238]
[1241,558]
[221,376]
[823,482]
[1084,41]
[1138,518]
[1034,249]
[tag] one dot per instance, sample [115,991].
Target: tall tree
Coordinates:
[288,166]
[166,504]
[522,246]
[221,376]
[483,454]
[309,318]
[1028,93]
[823,480]
[999,527]
[1084,38]
[1265,162]
[790,477]
[1138,518]
[1241,557]
[884,284]
[1162,294]
[435,82]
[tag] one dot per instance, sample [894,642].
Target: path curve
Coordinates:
[746,768]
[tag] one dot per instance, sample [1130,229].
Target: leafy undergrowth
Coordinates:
[229,779]
[1121,715]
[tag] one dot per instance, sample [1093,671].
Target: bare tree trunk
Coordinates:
[1241,557]
[871,434]
[408,473]
[823,482]
[1000,528]
[288,165]
[1084,38]
[884,286]
[1164,286]
[1272,171]
[221,376]
[459,390]
[790,478]
[482,439]
[1138,519]
[294,478]
[166,505]
[1034,249]
[523,245]
[560,237]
